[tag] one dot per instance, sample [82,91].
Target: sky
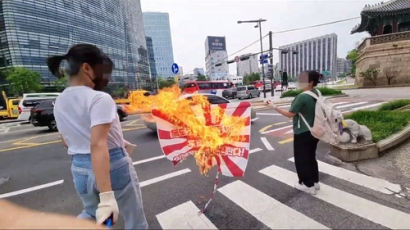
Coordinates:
[192,20]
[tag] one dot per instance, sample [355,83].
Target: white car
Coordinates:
[213,99]
[30,100]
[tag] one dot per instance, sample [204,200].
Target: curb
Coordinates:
[394,139]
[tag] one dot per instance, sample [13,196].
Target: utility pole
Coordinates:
[263,68]
[271,62]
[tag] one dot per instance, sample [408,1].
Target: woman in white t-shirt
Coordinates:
[87,120]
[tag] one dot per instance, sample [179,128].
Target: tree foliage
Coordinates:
[248,79]
[61,83]
[164,83]
[353,55]
[202,78]
[23,80]
[370,75]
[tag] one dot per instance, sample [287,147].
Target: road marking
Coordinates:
[339,103]
[136,128]
[255,150]
[265,128]
[164,177]
[267,144]
[184,216]
[29,146]
[148,160]
[372,183]
[267,210]
[367,209]
[268,114]
[351,105]
[27,190]
[286,141]
[255,119]
[273,130]
[364,107]
[280,123]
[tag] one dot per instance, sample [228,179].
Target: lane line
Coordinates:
[29,146]
[255,119]
[164,177]
[281,123]
[265,128]
[266,209]
[339,103]
[184,216]
[373,183]
[255,150]
[31,189]
[286,141]
[274,130]
[377,213]
[364,107]
[148,160]
[267,144]
[268,114]
[351,105]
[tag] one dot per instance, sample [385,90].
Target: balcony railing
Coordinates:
[394,37]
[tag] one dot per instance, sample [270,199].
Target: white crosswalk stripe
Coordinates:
[351,105]
[359,206]
[184,216]
[372,183]
[267,210]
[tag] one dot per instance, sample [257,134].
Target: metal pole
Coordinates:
[263,68]
[271,62]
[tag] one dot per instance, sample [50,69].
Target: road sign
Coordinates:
[264,56]
[265,61]
[175,68]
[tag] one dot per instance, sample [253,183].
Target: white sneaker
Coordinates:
[317,186]
[304,188]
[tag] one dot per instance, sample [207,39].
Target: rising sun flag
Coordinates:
[216,135]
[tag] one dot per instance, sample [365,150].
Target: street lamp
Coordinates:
[259,25]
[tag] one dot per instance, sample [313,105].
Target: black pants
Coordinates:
[305,145]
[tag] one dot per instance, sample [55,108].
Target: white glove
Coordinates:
[107,207]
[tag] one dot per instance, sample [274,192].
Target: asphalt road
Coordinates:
[263,198]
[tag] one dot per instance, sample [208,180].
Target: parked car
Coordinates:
[230,93]
[30,100]
[42,114]
[213,99]
[248,91]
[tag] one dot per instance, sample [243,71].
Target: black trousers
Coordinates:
[305,145]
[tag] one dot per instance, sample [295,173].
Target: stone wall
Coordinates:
[390,55]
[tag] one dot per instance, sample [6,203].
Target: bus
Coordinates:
[211,87]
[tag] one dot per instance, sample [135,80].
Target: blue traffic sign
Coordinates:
[175,68]
[263,57]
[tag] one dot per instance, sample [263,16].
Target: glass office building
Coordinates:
[157,27]
[32,30]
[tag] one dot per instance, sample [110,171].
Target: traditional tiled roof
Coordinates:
[392,7]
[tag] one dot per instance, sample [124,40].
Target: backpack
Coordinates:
[328,125]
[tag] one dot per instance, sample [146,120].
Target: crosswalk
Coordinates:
[278,215]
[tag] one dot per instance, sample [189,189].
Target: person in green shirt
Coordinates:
[304,143]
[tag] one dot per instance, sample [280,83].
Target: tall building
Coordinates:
[343,66]
[318,53]
[157,27]
[199,71]
[151,57]
[32,30]
[215,53]
[248,66]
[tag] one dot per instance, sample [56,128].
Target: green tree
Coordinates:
[166,83]
[202,78]
[23,80]
[61,83]
[119,92]
[353,55]
[248,79]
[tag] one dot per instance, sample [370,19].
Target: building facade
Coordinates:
[386,51]
[318,54]
[32,30]
[216,58]
[199,71]
[157,27]
[343,66]
[248,66]
[151,57]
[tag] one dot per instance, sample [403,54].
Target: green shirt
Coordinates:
[306,105]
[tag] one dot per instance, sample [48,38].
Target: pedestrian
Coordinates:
[87,119]
[284,81]
[304,143]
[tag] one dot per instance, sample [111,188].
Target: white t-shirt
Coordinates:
[77,110]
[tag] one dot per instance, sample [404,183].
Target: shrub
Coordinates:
[394,105]
[325,92]
[381,123]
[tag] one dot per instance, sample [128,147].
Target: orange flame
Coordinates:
[188,115]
